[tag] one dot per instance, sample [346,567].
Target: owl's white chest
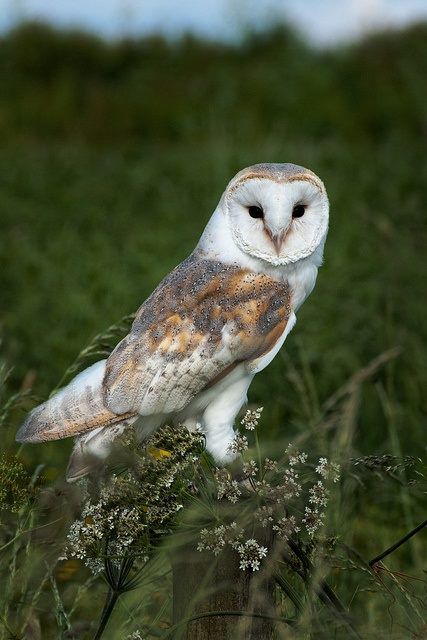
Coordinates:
[301,278]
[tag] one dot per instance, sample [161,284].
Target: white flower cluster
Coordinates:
[251,553]
[250,469]
[284,488]
[271,465]
[239,444]
[328,470]
[295,456]
[136,635]
[251,418]
[132,507]
[285,527]
[226,486]
[216,539]
[318,494]
[115,529]
[281,495]
[264,515]
[313,520]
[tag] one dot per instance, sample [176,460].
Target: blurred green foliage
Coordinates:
[114,155]
[70,86]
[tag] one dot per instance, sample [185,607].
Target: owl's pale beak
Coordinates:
[276,238]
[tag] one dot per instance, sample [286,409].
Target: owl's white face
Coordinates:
[277,216]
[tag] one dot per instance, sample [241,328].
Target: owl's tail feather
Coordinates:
[76,409]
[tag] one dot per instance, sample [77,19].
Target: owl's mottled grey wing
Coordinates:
[202,320]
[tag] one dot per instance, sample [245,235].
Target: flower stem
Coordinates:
[110,603]
[258,449]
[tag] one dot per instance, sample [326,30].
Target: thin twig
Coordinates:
[397,544]
[324,592]
[361,376]
[211,614]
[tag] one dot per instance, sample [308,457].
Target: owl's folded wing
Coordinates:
[203,320]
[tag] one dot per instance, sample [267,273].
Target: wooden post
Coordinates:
[204,584]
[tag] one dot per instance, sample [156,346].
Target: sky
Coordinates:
[323,22]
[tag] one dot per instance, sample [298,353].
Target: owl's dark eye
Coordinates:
[256,212]
[298,211]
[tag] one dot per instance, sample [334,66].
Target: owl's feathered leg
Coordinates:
[219,416]
[92,449]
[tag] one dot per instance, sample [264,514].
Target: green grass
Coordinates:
[88,233]
[114,157]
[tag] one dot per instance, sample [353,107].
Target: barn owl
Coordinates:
[210,326]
